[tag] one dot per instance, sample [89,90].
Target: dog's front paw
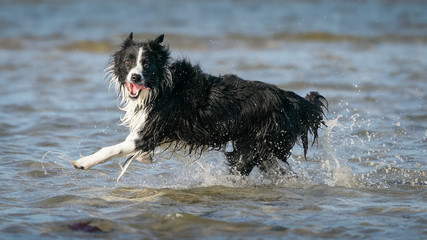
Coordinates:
[83,163]
[77,166]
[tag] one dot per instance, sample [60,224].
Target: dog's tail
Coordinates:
[312,116]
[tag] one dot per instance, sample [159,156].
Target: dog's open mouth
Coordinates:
[135,89]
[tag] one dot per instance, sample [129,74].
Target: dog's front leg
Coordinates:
[104,154]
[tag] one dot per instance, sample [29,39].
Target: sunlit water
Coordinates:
[364,178]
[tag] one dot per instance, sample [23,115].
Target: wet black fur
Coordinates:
[196,111]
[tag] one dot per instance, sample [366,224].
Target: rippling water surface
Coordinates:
[366,178]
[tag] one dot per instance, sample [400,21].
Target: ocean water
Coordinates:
[364,179]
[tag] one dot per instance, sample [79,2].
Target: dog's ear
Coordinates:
[159,39]
[129,40]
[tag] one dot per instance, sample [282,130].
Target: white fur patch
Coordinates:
[135,109]
[138,68]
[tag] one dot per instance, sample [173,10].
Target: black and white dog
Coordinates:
[174,104]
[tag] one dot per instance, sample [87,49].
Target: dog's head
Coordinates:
[140,69]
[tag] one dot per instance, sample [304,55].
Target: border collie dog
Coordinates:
[174,104]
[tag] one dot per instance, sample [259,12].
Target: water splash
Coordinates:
[337,172]
[355,156]
[62,157]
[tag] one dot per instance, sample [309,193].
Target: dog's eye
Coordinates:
[127,62]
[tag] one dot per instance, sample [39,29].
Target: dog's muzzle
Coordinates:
[136,86]
[136,78]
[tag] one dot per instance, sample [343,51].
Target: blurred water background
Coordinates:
[366,178]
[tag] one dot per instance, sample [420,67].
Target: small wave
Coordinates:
[203,43]
[11,44]
[90,46]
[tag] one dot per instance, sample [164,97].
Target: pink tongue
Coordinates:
[134,88]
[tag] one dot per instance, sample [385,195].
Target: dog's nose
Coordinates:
[136,78]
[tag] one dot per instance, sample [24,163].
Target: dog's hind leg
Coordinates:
[241,164]
[272,166]
[107,153]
